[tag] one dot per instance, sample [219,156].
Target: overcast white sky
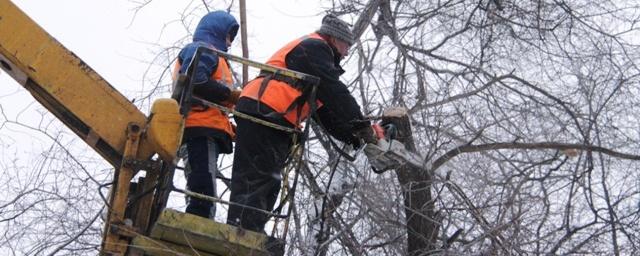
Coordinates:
[107,37]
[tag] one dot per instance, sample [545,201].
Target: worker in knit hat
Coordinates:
[262,151]
[339,32]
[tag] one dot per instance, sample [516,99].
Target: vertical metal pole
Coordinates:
[112,243]
[245,42]
[144,204]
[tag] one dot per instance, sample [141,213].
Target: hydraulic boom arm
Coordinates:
[102,117]
[67,86]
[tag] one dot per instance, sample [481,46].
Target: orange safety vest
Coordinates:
[279,95]
[210,117]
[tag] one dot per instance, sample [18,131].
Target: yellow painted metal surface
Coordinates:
[66,86]
[112,242]
[209,236]
[165,128]
[155,247]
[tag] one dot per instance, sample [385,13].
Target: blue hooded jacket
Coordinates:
[212,30]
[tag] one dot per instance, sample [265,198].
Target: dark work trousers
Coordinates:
[259,159]
[200,155]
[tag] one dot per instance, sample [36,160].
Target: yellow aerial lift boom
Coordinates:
[137,223]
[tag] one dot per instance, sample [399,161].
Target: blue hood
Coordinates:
[214,27]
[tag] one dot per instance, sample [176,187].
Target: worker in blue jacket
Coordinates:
[208,131]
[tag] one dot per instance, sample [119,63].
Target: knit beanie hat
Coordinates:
[337,28]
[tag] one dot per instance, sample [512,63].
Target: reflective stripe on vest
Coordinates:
[279,95]
[211,117]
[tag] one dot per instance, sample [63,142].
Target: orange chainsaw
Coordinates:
[389,153]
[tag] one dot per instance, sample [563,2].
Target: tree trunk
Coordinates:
[422,224]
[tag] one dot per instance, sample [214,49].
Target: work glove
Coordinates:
[367,134]
[233,97]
